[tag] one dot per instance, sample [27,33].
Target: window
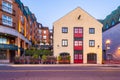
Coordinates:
[3,41]
[6,20]
[78,30]
[22,20]
[44,37]
[39,31]
[80,56]
[92,43]
[51,37]
[64,42]
[3,55]
[91,30]
[76,56]
[107,26]
[64,30]
[119,18]
[44,32]
[78,43]
[113,23]
[6,7]
[30,23]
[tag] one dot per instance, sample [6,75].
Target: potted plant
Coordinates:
[36,58]
[59,59]
[44,58]
[17,60]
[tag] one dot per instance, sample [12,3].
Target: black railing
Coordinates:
[7,23]
[7,10]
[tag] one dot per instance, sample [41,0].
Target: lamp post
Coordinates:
[107,48]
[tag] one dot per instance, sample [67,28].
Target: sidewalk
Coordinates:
[61,65]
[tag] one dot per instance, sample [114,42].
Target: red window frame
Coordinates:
[78,58]
[78,45]
[78,32]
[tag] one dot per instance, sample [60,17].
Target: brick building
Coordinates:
[79,35]
[18,27]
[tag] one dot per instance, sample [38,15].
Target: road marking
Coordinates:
[59,70]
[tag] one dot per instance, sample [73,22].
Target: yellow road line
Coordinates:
[59,70]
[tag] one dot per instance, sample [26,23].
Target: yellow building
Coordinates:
[79,35]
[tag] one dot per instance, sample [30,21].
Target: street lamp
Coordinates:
[107,44]
[118,48]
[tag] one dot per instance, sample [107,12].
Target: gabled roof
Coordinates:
[80,9]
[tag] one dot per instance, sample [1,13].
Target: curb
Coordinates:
[61,65]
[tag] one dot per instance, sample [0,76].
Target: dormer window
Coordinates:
[113,22]
[107,26]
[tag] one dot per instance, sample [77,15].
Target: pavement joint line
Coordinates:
[61,65]
[59,70]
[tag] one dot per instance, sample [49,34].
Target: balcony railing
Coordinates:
[7,10]
[6,23]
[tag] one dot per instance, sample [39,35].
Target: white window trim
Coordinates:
[64,42]
[6,7]
[6,20]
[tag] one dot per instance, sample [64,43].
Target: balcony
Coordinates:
[2,22]
[7,10]
[13,32]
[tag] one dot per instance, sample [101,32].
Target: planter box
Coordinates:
[64,62]
[4,61]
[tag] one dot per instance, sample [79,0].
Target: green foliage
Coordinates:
[35,56]
[59,58]
[29,52]
[68,57]
[47,52]
[36,53]
[44,57]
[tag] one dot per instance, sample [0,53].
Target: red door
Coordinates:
[78,58]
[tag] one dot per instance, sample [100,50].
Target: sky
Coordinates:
[48,11]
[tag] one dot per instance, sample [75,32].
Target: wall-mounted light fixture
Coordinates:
[118,48]
[98,46]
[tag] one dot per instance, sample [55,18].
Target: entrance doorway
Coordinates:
[64,58]
[78,58]
[3,54]
[92,58]
[12,56]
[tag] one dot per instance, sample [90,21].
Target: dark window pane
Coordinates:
[64,30]
[91,30]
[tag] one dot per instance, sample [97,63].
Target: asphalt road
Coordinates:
[59,73]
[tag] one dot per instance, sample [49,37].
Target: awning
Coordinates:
[8,46]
